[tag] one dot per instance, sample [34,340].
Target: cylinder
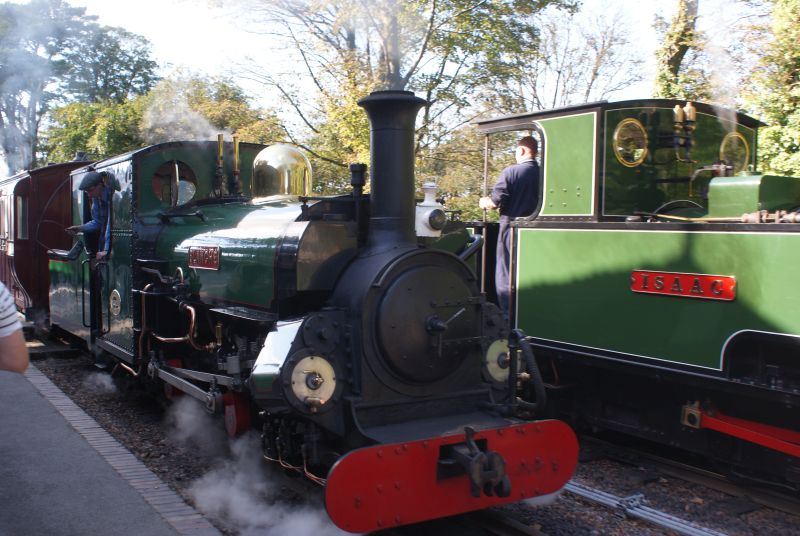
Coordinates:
[391,115]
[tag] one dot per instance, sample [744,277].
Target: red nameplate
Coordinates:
[703,286]
[206,257]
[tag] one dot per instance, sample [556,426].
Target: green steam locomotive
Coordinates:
[656,280]
[349,329]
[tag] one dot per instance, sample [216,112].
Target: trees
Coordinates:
[199,108]
[582,57]
[32,39]
[108,64]
[98,128]
[188,108]
[775,91]
[679,38]
[444,50]
[49,52]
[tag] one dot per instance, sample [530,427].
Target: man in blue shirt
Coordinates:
[515,194]
[96,187]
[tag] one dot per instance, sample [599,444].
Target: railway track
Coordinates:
[497,523]
[751,495]
[634,507]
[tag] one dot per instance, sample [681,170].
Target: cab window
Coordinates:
[174,183]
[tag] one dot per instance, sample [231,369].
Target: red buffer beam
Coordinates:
[388,485]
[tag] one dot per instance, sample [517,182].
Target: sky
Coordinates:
[198,36]
[205,36]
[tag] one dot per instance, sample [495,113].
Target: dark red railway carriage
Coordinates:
[34,211]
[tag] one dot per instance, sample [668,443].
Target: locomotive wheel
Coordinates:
[170,392]
[237,413]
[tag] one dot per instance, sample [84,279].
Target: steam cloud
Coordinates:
[190,425]
[724,87]
[100,383]
[169,117]
[239,491]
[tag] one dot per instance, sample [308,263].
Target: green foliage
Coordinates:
[226,107]
[342,137]
[108,64]
[33,40]
[181,108]
[775,92]
[99,129]
[443,50]
[51,53]
[195,108]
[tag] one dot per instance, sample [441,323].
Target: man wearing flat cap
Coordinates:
[95,185]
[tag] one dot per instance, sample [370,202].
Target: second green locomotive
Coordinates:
[657,279]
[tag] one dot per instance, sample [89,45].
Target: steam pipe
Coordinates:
[134,373]
[486,148]
[236,186]
[391,115]
[357,172]
[718,167]
[189,337]
[145,330]
[219,186]
[475,243]
[535,377]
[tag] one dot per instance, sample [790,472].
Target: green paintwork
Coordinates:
[569,174]
[66,297]
[637,189]
[734,196]
[118,328]
[133,179]
[574,287]
[246,235]
[201,158]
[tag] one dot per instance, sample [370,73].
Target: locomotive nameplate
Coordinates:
[204,257]
[703,286]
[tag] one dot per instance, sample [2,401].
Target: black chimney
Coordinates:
[391,115]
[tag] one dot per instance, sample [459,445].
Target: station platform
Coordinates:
[61,474]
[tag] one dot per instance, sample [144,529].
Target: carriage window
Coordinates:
[21,215]
[630,142]
[735,151]
[4,214]
[174,183]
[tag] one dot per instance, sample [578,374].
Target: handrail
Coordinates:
[107,283]
[475,243]
[83,294]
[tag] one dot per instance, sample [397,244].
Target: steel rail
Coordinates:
[633,506]
[762,494]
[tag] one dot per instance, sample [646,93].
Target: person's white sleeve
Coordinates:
[9,319]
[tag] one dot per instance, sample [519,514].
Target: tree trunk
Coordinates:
[680,37]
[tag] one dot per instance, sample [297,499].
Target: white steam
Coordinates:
[169,116]
[100,383]
[239,491]
[190,425]
[724,84]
